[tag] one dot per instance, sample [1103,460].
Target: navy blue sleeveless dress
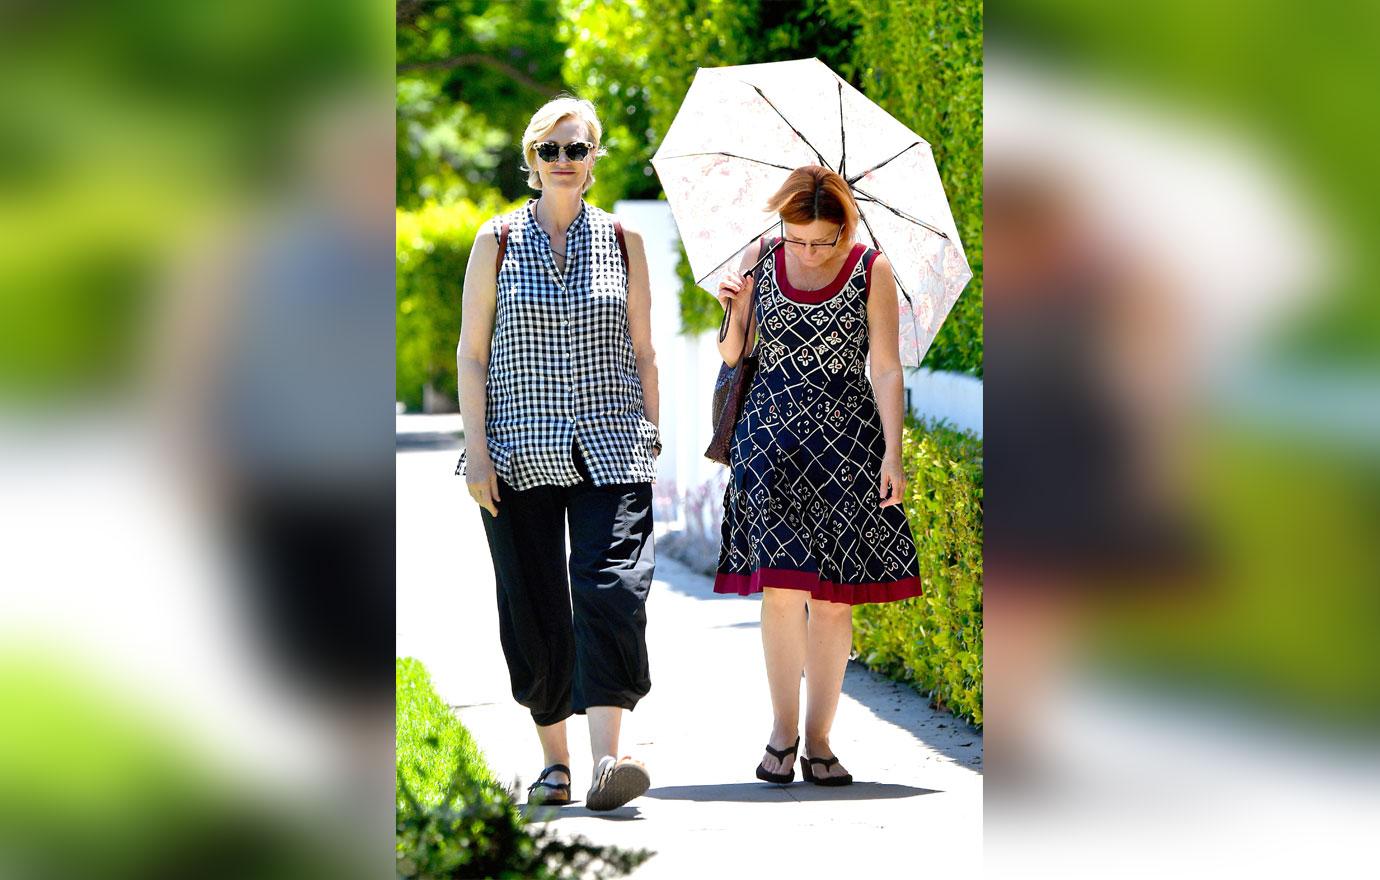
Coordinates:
[801,508]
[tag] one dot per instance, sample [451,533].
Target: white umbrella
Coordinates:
[742,130]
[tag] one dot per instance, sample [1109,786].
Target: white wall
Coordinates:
[956,397]
[687,366]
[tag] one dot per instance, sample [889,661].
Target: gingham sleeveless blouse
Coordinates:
[561,362]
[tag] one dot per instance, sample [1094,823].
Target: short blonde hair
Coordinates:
[548,117]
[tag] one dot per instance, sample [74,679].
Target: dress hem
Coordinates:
[818,587]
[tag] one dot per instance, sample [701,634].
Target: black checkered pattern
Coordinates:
[561,363]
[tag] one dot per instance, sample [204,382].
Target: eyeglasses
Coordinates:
[575,151]
[806,245]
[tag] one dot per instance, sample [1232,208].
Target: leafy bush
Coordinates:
[934,641]
[455,820]
[921,61]
[699,312]
[433,249]
[478,831]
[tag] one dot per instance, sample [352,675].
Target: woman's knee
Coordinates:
[830,610]
[778,597]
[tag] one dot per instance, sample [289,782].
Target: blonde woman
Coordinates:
[558,392]
[812,515]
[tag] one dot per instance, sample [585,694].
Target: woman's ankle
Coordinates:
[782,735]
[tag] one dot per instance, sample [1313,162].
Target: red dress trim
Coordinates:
[814,297]
[818,587]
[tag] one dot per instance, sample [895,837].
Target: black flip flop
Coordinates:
[556,794]
[780,754]
[806,772]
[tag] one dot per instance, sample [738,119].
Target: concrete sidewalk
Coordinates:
[917,805]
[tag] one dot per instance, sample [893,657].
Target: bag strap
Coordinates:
[622,245]
[747,333]
[502,248]
[728,312]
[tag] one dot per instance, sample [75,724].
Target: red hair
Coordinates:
[813,192]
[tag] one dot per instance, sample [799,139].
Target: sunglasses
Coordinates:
[575,151]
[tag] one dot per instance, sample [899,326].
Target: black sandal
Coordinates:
[780,754]
[808,775]
[561,790]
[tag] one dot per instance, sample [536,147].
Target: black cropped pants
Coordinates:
[573,627]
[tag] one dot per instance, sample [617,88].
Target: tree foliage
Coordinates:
[433,248]
[470,73]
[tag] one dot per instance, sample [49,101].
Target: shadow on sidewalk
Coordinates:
[575,811]
[754,792]
[897,703]
[687,581]
[894,702]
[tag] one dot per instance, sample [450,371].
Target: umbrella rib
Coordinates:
[817,153]
[910,304]
[843,139]
[856,177]
[762,258]
[881,249]
[729,155]
[868,197]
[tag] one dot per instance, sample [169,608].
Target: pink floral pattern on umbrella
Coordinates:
[741,130]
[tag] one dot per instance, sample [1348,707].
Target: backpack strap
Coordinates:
[502,248]
[622,245]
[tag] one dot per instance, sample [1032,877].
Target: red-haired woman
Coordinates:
[812,514]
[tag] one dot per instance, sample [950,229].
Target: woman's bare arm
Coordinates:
[888,383]
[732,344]
[479,302]
[640,324]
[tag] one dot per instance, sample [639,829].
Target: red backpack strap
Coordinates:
[502,248]
[622,245]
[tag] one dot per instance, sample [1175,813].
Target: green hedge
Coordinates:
[433,248]
[454,820]
[934,641]
[432,746]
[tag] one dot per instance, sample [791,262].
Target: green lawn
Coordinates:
[423,719]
